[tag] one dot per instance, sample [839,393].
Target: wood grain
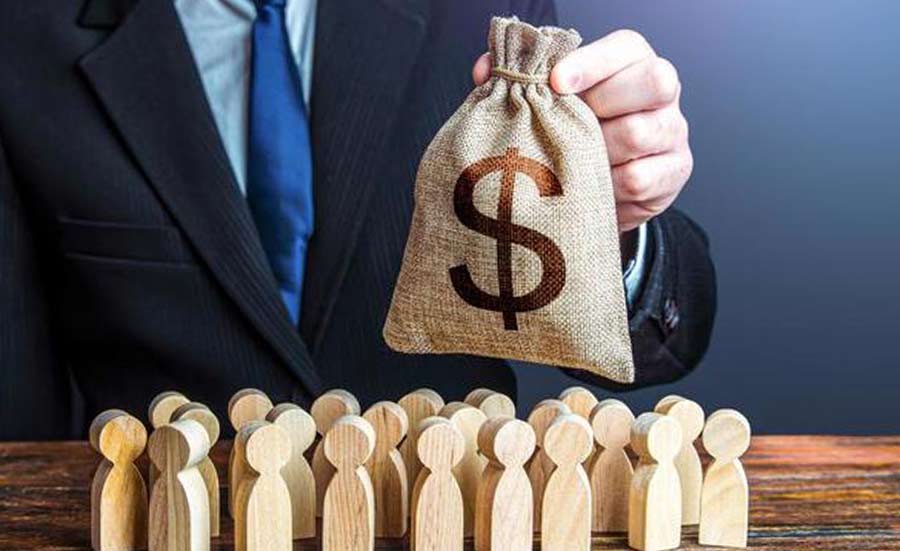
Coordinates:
[823,493]
[297,473]
[418,405]
[437,502]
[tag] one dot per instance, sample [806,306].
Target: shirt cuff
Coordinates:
[633,275]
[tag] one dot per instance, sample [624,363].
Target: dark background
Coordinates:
[795,126]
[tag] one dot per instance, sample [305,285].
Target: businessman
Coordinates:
[213,194]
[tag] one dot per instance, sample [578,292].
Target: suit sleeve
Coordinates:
[671,322]
[34,385]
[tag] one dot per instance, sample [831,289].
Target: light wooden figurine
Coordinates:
[566,507]
[611,471]
[262,503]
[504,508]
[690,416]
[582,402]
[468,419]
[159,413]
[654,503]
[726,494]
[539,466]
[437,502]
[348,516]
[328,408]
[297,473]
[179,506]
[387,470]
[202,414]
[247,405]
[118,493]
[418,405]
[491,402]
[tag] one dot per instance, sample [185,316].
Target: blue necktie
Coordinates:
[279,158]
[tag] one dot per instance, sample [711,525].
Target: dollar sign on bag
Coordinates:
[553,276]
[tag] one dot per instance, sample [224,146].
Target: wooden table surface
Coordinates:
[807,492]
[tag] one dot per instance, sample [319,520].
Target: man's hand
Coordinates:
[635,94]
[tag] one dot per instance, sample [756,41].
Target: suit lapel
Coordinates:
[144,75]
[363,54]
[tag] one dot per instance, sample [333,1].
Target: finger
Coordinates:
[481,72]
[643,134]
[649,84]
[652,179]
[632,215]
[598,61]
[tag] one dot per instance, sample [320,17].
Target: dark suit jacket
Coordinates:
[129,261]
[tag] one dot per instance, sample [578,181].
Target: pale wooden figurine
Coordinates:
[247,405]
[726,494]
[491,402]
[118,492]
[297,473]
[654,503]
[348,515]
[582,402]
[690,416]
[179,505]
[468,419]
[504,508]
[202,414]
[418,405]
[566,507]
[539,466]
[327,409]
[262,503]
[387,470]
[159,413]
[437,502]
[611,471]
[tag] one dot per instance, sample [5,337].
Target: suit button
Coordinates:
[671,315]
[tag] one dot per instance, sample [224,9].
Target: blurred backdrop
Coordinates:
[795,126]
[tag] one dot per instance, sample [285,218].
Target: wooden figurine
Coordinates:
[504,508]
[387,470]
[159,413]
[327,409]
[437,502]
[468,419]
[202,414]
[297,473]
[418,405]
[348,514]
[690,416]
[582,402]
[567,493]
[539,466]
[262,503]
[654,503]
[118,493]
[491,402]
[611,471]
[725,494]
[179,506]
[247,405]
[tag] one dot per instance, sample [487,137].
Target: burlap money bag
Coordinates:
[513,250]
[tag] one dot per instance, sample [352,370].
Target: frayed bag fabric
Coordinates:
[513,251]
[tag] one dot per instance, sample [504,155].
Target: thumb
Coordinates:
[481,72]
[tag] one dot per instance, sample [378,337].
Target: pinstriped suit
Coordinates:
[130,263]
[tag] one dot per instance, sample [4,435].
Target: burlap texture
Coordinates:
[566,304]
